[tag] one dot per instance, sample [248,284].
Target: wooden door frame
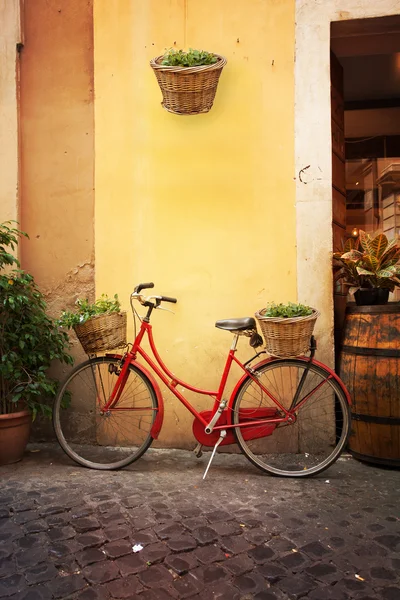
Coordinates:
[313,151]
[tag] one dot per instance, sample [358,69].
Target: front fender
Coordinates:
[156,428]
[272,359]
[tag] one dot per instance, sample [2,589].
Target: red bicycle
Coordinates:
[290,417]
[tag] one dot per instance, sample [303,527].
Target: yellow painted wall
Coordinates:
[201,205]
[57,146]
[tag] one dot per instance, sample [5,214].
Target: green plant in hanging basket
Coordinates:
[188,79]
[190,58]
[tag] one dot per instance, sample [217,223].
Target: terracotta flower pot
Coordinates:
[14,435]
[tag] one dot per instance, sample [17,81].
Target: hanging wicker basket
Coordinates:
[188,90]
[287,337]
[102,332]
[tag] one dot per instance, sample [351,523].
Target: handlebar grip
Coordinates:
[143,286]
[168,299]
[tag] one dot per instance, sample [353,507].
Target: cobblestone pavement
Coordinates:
[69,532]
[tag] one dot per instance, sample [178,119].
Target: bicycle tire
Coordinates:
[104,441]
[298,449]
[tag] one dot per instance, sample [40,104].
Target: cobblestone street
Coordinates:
[69,532]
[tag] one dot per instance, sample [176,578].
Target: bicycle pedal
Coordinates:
[220,439]
[198,450]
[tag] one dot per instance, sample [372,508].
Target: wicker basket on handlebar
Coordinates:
[102,332]
[287,337]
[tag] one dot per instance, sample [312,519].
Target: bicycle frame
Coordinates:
[171,381]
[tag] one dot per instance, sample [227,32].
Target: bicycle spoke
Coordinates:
[105,438]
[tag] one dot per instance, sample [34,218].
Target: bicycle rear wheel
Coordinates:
[109,440]
[321,428]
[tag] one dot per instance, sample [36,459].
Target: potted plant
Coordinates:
[287,328]
[188,80]
[370,267]
[29,341]
[99,326]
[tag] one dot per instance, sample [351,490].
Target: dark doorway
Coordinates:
[365,99]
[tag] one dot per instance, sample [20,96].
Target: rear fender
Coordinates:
[336,378]
[156,428]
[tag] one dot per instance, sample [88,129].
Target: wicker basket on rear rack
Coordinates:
[287,337]
[102,332]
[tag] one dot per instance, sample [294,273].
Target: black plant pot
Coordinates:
[367,296]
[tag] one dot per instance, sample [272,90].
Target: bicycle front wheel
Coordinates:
[102,439]
[321,424]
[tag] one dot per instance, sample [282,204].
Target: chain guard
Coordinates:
[249,433]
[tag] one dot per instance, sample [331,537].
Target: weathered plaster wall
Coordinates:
[313,149]
[57,155]
[9,38]
[201,205]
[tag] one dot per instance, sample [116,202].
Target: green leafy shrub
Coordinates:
[29,339]
[191,58]
[85,310]
[287,311]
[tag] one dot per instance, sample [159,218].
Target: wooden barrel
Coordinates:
[370,368]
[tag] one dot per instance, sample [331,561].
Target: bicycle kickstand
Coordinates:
[221,437]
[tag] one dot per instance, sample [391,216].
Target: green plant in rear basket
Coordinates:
[287,311]
[86,310]
[191,58]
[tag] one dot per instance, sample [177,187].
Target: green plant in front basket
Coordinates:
[86,310]
[287,311]
[191,58]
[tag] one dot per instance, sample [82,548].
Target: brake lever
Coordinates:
[166,309]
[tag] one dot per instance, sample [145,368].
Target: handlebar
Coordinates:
[145,300]
[142,286]
[168,299]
